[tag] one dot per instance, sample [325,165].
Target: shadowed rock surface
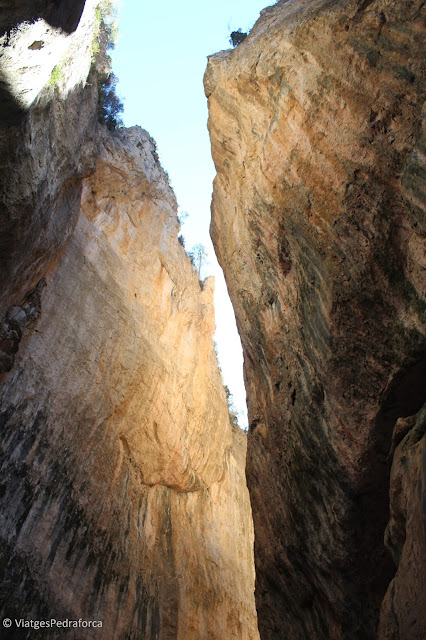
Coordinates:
[317,129]
[45,154]
[402,613]
[60,14]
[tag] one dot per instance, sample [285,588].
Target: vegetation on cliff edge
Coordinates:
[105,36]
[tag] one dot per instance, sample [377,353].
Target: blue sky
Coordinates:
[160,61]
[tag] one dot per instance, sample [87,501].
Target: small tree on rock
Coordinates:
[237,37]
[199,254]
[109,104]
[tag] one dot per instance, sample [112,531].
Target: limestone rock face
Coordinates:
[123,493]
[317,129]
[48,141]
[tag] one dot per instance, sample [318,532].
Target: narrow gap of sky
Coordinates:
[160,61]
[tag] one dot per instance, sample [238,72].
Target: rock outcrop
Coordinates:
[403,608]
[318,222]
[122,488]
[48,118]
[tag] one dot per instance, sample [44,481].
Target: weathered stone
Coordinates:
[317,129]
[47,137]
[403,609]
[122,486]
[123,489]
[15,321]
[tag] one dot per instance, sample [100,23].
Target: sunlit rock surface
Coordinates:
[123,489]
[48,108]
[318,222]
[36,38]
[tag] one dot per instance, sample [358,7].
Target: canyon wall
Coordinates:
[122,487]
[48,108]
[317,125]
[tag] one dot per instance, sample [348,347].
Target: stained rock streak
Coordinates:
[122,479]
[122,489]
[316,123]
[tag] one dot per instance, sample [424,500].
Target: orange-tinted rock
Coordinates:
[122,489]
[123,494]
[318,221]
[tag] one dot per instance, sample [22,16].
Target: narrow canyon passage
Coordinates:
[128,509]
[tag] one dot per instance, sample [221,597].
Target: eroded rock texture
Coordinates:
[403,608]
[123,489]
[48,141]
[317,129]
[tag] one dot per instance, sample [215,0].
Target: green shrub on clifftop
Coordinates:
[109,104]
[237,37]
[110,107]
